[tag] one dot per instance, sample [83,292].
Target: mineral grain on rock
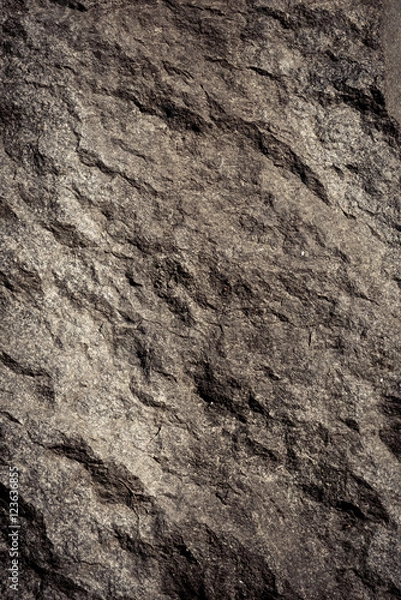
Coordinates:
[200,299]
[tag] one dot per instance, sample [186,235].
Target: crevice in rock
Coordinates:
[113,483]
[73,4]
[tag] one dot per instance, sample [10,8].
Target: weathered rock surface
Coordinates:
[200,298]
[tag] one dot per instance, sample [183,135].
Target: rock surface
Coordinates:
[200,298]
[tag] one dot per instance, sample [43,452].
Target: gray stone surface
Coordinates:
[200,299]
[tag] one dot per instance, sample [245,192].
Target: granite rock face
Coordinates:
[200,299]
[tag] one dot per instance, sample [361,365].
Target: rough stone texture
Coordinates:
[391,36]
[200,297]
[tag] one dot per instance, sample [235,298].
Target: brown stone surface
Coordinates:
[200,298]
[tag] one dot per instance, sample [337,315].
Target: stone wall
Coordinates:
[200,300]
